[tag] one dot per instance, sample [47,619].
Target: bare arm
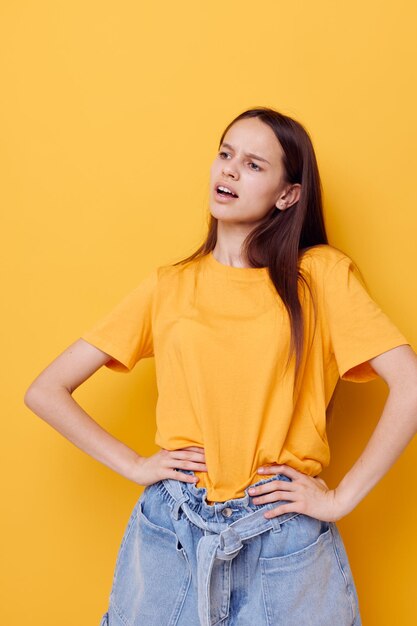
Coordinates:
[49,397]
[395,429]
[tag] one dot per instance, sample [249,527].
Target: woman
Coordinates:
[250,335]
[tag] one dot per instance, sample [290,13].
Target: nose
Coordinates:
[228,170]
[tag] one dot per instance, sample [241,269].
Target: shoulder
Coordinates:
[335,273]
[321,259]
[170,273]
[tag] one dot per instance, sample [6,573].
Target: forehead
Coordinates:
[253,135]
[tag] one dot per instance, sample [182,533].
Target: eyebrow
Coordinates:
[249,154]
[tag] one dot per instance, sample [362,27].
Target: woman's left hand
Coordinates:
[307,494]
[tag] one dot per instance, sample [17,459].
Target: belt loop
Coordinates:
[178,496]
[276,524]
[177,505]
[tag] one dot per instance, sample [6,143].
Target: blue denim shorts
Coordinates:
[184,562]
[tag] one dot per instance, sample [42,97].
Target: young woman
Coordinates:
[250,335]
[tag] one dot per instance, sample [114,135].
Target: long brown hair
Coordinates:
[280,239]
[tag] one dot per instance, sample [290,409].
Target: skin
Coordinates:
[396,427]
[50,397]
[50,394]
[261,186]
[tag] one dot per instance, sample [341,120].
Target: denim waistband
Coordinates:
[193,500]
[223,536]
[197,498]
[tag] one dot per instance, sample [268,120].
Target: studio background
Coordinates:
[110,117]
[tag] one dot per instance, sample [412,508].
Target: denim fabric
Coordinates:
[183,562]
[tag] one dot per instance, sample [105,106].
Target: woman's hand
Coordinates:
[307,494]
[162,464]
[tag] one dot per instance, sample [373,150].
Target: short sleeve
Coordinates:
[359,330]
[125,332]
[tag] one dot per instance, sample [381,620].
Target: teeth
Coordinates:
[225,189]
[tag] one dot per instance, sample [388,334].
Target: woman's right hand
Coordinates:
[162,464]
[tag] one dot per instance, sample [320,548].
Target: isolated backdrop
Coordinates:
[110,116]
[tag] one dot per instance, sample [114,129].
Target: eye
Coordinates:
[256,169]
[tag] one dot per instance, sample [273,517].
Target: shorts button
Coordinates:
[227,512]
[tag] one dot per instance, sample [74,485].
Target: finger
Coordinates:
[185,454]
[186,450]
[279,510]
[273,485]
[269,469]
[274,496]
[282,469]
[177,475]
[188,461]
[189,465]
[195,449]
[185,457]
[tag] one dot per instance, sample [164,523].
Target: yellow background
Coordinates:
[110,116]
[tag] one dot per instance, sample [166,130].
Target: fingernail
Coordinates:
[260,469]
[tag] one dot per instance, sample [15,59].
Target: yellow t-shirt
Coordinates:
[220,337]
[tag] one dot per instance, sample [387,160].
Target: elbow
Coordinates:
[31,397]
[403,384]
[39,396]
[36,397]
[405,389]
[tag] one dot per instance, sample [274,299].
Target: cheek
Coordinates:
[215,168]
[262,192]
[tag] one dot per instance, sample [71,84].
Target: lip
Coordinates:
[220,182]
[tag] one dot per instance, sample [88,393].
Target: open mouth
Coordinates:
[225,192]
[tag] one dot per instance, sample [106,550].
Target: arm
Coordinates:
[395,429]
[49,397]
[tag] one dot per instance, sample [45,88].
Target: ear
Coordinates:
[289,197]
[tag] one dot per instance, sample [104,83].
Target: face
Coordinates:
[249,163]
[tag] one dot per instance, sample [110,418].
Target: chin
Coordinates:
[222,216]
[220,213]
